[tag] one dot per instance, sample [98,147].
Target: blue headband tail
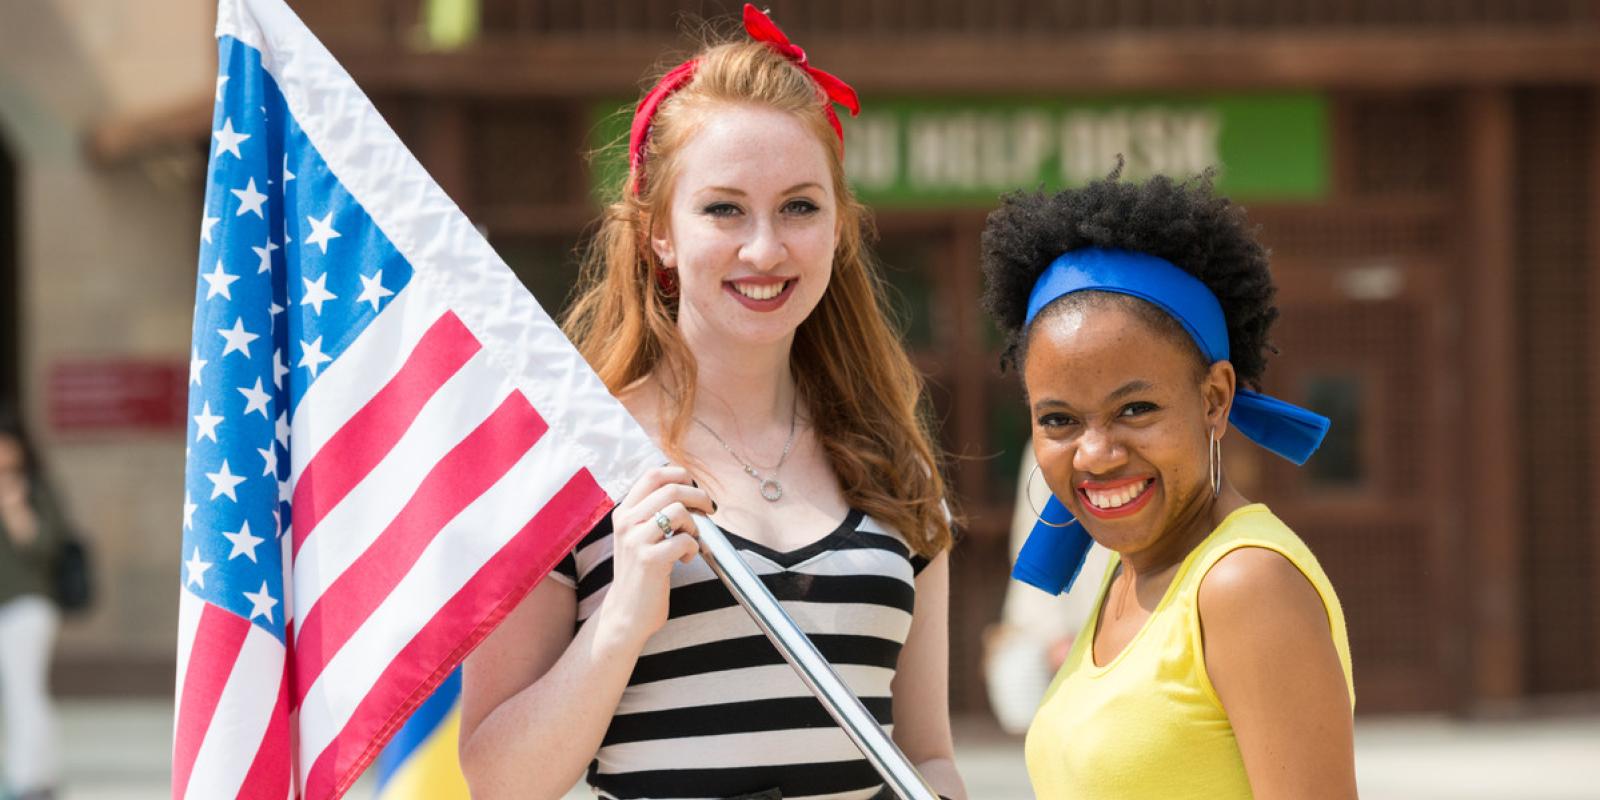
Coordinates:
[1284,428]
[1052,556]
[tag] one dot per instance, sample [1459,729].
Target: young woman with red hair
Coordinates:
[729,301]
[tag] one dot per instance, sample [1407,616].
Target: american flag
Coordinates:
[391,442]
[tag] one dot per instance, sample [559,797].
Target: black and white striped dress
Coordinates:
[713,711]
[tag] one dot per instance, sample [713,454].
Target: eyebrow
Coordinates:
[741,193]
[1131,387]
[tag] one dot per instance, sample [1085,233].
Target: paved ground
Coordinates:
[118,750]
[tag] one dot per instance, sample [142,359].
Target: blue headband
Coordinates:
[1052,556]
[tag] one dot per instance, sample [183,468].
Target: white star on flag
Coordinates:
[244,543]
[278,369]
[208,423]
[261,602]
[281,429]
[312,357]
[322,231]
[197,569]
[238,338]
[196,363]
[206,224]
[221,79]
[250,200]
[223,482]
[227,140]
[372,290]
[219,281]
[287,175]
[189,508]
[269,458]
[265,254]
[256,400]
[317,293]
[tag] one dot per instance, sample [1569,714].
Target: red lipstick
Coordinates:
[1126,509]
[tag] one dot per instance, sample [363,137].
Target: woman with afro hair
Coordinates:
[1217,663]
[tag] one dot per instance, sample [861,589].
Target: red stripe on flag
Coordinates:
[427,660]
[357,447]
[461,477]
[268,778]
[217,641]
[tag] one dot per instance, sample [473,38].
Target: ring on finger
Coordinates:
[665,524]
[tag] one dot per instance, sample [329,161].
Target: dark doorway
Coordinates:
[10,284]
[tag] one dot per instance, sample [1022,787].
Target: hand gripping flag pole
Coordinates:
[819,676]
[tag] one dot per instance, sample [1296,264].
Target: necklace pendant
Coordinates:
[771,490]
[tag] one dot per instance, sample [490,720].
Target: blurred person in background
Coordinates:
[1036,629]
[729,303]
[31,530]
[1217,664]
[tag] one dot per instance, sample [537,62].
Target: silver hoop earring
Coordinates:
[1214,456]
[1027,492]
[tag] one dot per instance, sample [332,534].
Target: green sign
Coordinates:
[950,152]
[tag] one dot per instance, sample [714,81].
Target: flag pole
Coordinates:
[845,708]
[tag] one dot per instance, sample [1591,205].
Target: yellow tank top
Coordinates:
[1148,723]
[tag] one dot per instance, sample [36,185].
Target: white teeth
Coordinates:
[765,292]
[1117,498]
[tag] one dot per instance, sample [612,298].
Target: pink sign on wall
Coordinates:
[105,395]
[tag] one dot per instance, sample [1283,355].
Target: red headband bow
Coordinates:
[762,29]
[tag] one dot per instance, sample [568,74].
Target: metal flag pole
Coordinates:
[846,709]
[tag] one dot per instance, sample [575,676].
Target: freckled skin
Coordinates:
[1157,426]
[754,198]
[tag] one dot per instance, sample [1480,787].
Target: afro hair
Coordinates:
[1184,222]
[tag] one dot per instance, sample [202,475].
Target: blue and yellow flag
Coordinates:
[421,761]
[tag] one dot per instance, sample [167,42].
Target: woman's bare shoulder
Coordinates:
[1257,599]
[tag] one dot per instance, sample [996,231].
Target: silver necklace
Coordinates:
[771,489]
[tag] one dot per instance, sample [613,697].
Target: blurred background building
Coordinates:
[1427,175]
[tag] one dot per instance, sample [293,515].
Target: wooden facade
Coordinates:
[1442,297]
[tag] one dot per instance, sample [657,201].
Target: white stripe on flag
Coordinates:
[189,608]
[240,722]
[350,528]
[366,366]
[450,560]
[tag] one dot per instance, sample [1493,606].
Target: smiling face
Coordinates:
[1121,414]
[751,227]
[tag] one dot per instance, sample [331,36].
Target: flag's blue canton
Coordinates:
[291,270]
